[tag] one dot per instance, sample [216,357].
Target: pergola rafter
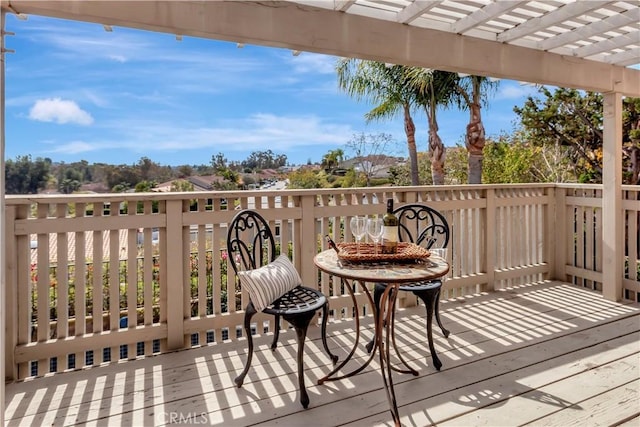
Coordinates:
[629,17]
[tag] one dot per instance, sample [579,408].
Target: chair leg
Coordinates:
[325,318]
[276,333]
[429,297]
[445,332]
[378,290]
[301,323]
[248,314]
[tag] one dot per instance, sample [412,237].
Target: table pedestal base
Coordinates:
[384,338]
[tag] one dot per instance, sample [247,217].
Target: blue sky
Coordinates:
[77,92]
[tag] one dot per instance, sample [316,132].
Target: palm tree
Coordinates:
[327,161]
[472,92]
[433,88]
[384,85]
[332,159]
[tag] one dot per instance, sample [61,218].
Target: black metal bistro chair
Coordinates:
[252,253]
[426,227]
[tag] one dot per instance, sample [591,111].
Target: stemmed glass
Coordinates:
[374,229]
[441,252]
[358,229]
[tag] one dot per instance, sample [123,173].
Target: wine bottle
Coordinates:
[331,243]
[390,233]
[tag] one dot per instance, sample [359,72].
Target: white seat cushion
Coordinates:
[269,282]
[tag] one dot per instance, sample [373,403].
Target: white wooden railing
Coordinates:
[164,261]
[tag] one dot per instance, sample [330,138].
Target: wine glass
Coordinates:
[358,229]
[374,230]
[441,252]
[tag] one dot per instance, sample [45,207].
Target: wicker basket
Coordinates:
[407,252]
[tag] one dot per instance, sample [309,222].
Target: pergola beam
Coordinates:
[307,28]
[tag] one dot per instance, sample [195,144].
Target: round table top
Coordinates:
[431,268]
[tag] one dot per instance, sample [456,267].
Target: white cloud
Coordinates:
[59,111]
[515,91]
[95,98]
[74,147]
[118,58]
[255,132]
[314,63]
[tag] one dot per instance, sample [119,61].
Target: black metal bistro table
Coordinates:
[392,274]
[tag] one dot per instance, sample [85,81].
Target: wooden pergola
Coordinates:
[589,45]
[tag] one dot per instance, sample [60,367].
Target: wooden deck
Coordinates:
[545,354]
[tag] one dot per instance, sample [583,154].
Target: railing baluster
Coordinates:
[41,296]
[96,264]
[61,286]
[114,279]
[145,251]
[80,293]
[131,256]
[202,269]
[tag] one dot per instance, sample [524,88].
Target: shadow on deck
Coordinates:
[544,354]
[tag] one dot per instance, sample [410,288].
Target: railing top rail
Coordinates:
[580,186]
[108,197]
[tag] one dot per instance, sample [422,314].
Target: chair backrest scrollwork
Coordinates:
[422,225]
[250,242]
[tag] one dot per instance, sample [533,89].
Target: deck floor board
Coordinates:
[540,354]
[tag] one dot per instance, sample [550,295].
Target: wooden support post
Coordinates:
[612,214]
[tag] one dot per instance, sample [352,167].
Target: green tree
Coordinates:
[70,179]
[68,186]
[332,159]
[185,171]
[224,169]
[515,158]
[570,118]
[259,160]
[146,167]
[305,178]
[121,176]
[508,163]
[219,162]
[248,181]
[457,171]
[631,138]
[401,175]
[24,176]
[145,186]
[203,170]
[122,187]
[99,173]
[181,185]
[230,176]
[388,89]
